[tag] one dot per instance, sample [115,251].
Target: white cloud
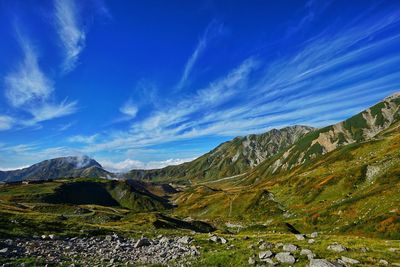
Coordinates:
[129,109]
[129,164]
[6,122]
[48,111]
[27,83]
[70,32]
[212,30]
[315,85]
[28,89]
[83,139]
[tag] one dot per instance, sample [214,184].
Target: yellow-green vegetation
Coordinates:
[354,189]
[237,251]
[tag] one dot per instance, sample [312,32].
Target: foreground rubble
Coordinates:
[110,250]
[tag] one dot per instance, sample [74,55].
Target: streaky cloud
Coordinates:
[70,31]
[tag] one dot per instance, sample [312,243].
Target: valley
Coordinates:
[297,196]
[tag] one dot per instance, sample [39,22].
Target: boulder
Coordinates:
[265,254]
[349,260]
[314,235]
[300,237]
[311,241]
[252,260]
[266,245]
[335,247]
[383,262]
[290,247]
[285,257]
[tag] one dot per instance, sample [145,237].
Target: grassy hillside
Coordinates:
[356,188]
[230,158]
[359,128]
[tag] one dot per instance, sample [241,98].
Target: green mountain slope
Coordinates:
[230,158]
[359,128]
[352,189]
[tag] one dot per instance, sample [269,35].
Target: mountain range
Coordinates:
[275,151]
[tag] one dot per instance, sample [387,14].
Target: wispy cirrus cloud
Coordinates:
[6,122]
[213,30]
[129,109]
[296,89]
[27,88]
[83,139]
[27,83]
[70,31]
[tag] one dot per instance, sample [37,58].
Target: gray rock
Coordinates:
[335,247]
[185,239]
[142,242]
[223,240]
[314,235]
[383,262]
[217,239]
[270,262]
[4,250]
[300,237]
[290,247]
[285,257]
[321,263]
[311,241]
[306,252]
[214,239]
[252,260]
[265,254]
[349,260]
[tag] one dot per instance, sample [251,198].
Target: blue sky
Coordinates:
[144,84]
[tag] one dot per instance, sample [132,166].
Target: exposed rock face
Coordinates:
[64,167]
[231,158]
[361,127]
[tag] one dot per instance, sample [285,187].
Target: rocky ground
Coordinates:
[114,250]
[111,250]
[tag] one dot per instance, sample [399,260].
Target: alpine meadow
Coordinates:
[200,133]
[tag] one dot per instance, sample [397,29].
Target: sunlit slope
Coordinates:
[355,188]
[230,158]
[359,128]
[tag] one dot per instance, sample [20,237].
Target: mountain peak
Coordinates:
[63,167]
[392,97]
[79,161]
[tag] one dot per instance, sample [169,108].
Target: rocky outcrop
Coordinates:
[364,126]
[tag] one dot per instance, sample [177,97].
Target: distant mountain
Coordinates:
[63,167]
[230,158]
[359,128]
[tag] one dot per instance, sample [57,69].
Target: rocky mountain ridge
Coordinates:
[364,126]
[230,158]
[62,167]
